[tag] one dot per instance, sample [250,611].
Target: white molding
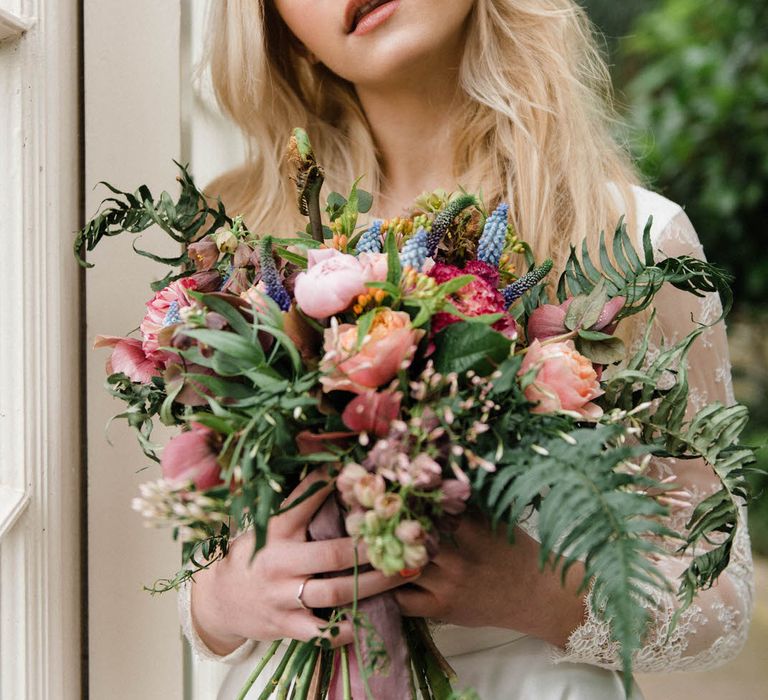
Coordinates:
[39,421]
[13,502]
[12,25]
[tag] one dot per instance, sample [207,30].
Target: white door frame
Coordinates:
[40,195]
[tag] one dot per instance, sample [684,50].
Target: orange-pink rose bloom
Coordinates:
[391,341]
[565,380]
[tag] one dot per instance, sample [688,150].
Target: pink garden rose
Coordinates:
[192,456]
[372,412]
[163,310]
[128,357]
[391,341]
[548,320]
[565,380]
[332,282]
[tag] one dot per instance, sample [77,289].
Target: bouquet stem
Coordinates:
[259,668]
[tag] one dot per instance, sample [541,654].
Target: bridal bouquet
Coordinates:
[413,358]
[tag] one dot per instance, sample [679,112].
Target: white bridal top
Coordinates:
[502,664]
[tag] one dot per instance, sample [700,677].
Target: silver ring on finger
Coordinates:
[300,594]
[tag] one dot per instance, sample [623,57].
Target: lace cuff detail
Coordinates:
[199,648]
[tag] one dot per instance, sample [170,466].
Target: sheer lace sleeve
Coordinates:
[198,646]
[714,628]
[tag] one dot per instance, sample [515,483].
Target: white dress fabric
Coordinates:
[502,664]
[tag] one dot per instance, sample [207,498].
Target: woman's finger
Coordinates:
[330,555]
[294,520]
[304,627]
[339,591]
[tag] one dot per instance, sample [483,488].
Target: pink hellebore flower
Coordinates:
[456,493]
[333,281]
[128,357]
[372,412]
[565,380]
[390,342]
[548,320]
[192,456]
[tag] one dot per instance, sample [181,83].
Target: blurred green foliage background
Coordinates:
[691,79]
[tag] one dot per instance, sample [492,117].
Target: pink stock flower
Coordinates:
[128,357]
[163,311]
[387,505]
[424,472]
[565,380]
[333,280]
[389,343]
[372,412]
[193,456]
[368,488]
[456,493]
[411,532]
[548,320]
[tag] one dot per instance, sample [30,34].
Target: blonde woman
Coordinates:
[508,97]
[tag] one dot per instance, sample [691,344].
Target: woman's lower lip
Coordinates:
[378,16]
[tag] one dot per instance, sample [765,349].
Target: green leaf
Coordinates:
[230,343]
[364,201]
[604,351]
[463,346]
[394,269]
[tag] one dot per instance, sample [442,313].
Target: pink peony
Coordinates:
[390,342]
[333,281]
[372,412]
[163,310]
[565,379]
[193,456]
[128,357]
[548,320]
[375,266]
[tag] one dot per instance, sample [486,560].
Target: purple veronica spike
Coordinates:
[370,241]
[414,252]
[528,281]
[494,236]
[271,277]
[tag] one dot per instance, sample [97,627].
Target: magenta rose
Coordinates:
[333,281]
[193,456]
[478,298]
[390,342]
[565,380]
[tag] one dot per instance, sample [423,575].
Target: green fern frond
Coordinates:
[593,512]
[638,278]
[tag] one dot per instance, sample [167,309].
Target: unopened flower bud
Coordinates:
[226,241]
[354,523]
[410,532]
[415,556]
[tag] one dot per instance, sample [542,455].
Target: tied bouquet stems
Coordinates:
[412,360]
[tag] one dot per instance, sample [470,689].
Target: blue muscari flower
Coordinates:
[414,252]
[370,241]
[172,316]
[494,236]
[271,277]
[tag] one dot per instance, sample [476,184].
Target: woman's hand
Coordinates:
[234,600]
[482,580]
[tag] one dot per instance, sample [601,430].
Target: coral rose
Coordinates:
[390,342]
[333,280]
[193,456]
[372,412]
[565,380]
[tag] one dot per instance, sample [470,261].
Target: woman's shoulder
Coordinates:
[646,204]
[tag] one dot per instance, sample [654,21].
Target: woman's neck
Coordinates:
[412,126]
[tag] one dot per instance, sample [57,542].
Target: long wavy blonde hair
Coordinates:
[534,129]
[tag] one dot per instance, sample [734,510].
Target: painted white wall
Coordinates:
[132,133]
[39,419]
